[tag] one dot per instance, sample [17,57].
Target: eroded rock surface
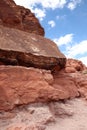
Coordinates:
[20,86]
[73,65]
[31,50]
[78,72]
[14,16]
[35,98]
[81,80]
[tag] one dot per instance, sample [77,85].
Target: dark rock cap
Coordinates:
[29,49]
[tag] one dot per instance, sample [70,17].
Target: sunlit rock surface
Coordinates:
[14,16]
[31,50]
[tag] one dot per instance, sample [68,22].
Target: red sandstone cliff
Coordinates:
[31,97]
[18,17]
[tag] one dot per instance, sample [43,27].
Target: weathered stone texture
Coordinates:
[73,65]
[20,86]
[31,50]
[14,16]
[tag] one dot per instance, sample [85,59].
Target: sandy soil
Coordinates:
[78,120]
[70,115]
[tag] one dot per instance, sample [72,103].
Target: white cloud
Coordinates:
[62,17]
[27,3]
[64,40]
[72,5]
[52,23]
[84,60]
[53,4]
[78,49]
[39,13]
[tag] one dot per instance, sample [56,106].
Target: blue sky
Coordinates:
[64,22]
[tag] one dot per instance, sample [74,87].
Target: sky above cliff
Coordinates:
[64,22]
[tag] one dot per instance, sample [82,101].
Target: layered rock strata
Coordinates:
[31,50]
[22,86]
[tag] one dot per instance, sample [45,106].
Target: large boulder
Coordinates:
[25,49]
[14,16]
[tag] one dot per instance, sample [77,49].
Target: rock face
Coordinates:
[34,75]
[81,80]
[25,49]
[73,66]
[78,72]
[20,86]
[15,16]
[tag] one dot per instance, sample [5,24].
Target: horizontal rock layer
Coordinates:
[25,49]
[14,16]
[20,86]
